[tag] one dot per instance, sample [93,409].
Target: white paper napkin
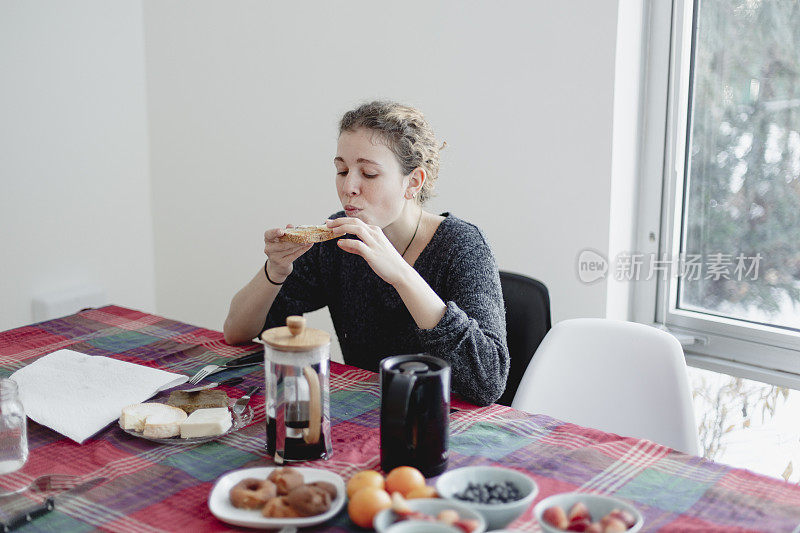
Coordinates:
[77,395]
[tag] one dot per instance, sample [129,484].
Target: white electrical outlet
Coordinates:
[66,302]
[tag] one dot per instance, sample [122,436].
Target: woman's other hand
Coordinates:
[281,254]
[374,247]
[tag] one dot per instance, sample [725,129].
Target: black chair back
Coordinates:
[527,304]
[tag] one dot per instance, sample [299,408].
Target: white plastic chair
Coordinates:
[621,377]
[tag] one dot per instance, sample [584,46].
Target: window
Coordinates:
[729,198]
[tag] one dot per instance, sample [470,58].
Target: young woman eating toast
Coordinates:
[399,280]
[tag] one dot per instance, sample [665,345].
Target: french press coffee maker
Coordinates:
[297,396]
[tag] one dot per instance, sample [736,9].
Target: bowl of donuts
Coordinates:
[275,497]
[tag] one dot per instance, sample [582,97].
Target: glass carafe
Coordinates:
[13,429]
[297,400]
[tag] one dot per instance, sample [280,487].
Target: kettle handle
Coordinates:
[398,398]
[311,435]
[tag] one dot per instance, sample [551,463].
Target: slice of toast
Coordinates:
[308,234]
[192,401]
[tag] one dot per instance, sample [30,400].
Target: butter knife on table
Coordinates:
[232,381]
[245,360]
[25,516]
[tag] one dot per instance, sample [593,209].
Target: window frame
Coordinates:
[754,351]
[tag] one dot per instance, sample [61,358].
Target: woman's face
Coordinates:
[369,179]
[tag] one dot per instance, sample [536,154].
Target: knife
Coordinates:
[232,381]
[23,517]
[245,360]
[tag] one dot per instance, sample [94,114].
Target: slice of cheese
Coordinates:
[164,424]
[206,423]
[153,419]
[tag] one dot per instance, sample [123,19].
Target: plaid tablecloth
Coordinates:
[154,487]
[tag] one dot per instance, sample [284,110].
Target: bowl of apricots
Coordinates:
[592,513]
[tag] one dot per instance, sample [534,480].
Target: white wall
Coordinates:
[75,203]
[244,99]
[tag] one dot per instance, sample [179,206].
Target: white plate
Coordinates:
[220,505]
[238,422]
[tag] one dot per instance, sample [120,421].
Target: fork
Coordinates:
[212,385]
[45,483]
[242,402]
[246,360]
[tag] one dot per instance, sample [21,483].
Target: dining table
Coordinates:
[150,486]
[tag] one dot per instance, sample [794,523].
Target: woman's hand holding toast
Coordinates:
[281,254]
[373,246]
[425,306]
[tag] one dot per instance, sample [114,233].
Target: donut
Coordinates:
[330,488]
[252,493]
[279,508]
[308,500]
[286,479]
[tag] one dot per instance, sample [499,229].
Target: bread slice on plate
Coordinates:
[153,419]
[308,234]
[192,401]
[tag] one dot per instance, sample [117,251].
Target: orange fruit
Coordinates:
[366,503]
[404,479]
[365,478]
[422,492]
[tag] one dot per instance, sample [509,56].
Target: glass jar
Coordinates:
[13,429]
[297,396]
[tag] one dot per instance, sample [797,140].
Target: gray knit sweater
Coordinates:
[372,322]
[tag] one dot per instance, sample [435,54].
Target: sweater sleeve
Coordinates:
[471,335]
[302,292]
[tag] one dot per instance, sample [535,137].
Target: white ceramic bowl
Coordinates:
[598,505]
[497,515]
[386,521]
[419,526]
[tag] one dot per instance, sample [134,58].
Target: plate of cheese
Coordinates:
[167,424]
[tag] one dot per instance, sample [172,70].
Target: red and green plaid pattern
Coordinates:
[152,487]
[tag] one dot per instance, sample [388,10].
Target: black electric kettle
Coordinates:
[415,408]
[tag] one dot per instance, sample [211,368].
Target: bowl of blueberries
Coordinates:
[499,494]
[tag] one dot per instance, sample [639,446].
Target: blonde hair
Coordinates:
[407,134]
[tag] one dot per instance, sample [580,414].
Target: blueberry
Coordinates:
[489,492]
